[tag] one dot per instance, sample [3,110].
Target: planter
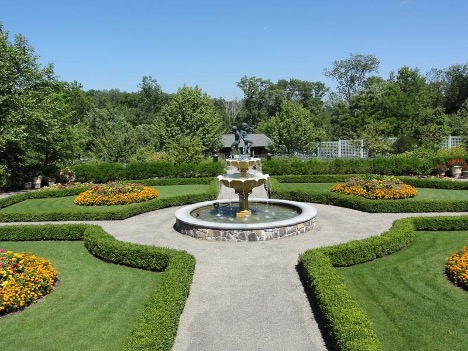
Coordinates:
[456,171]
[28,185]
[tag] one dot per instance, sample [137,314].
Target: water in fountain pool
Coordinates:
[261,213]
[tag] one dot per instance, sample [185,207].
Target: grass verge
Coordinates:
[95,306]
[409,300]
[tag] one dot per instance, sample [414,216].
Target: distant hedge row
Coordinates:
[156,327]
[104,171]
[395,165]
[346,325]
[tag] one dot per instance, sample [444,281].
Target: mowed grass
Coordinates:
[94,307]
[409,300]
[422,193]
[67,204]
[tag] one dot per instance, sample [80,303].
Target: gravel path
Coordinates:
[247,295]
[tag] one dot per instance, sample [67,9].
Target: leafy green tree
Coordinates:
[455,88]
[351,73]
[292,129]
[185,149]
[114,138]
[256,99]
[310,94]
[151,100]
[36,128]
[191,113]
[375,138]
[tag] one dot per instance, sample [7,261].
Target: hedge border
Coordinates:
[346,326]
[157,325]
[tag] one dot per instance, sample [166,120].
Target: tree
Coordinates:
[191,113]
[114,138]
[36,130]
[256,99]
[292,129]
[351,73]
[232,108]
[309,94]
[455,88]
[151,100]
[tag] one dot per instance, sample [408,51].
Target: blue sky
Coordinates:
[107,44]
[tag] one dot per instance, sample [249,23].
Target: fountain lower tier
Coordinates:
[243,188]
[195,227]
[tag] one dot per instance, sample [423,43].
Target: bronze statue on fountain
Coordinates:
[241,134]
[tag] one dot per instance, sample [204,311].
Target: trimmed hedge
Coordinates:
[104,172]
[435,183]
[397,165]
[156,327]
[314,178]
[346,325]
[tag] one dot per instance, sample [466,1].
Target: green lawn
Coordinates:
[409,300]
[422,194]
[66,203]
[94,307]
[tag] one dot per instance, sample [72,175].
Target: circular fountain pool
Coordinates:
[216,220]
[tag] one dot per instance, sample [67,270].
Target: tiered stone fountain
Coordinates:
[244,183]
[254,219]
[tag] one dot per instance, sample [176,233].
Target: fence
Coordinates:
[356,148]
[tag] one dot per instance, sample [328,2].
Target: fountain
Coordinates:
[256,219]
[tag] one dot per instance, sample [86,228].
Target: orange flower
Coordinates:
[115,194]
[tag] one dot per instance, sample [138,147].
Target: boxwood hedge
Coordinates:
[157,326]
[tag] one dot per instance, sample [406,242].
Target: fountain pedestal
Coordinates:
[243,206]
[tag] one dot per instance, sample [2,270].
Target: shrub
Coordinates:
[24,278]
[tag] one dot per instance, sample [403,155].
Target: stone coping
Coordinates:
[307,213]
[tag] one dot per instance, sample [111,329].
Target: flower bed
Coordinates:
[115,194]
[456,268]
[24,278]
[376,188]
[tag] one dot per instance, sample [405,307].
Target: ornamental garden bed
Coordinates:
[112,292]
[55,207]
[363,306]
[94,303]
